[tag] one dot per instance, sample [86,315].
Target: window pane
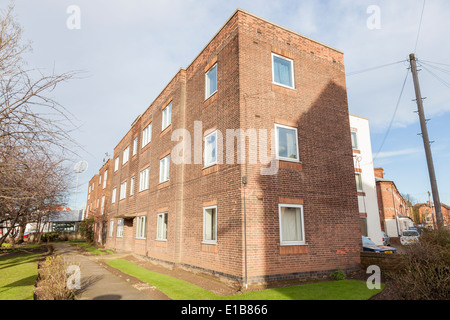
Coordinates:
[354,141]
[282,71]
[359,186]
[210,149]
[210,224]
[291,228]
[211,81]
[287,143]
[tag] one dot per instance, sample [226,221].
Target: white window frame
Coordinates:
[360,183]
[141,227]
[164,169]
[119,233]
[126,155]
[111,228]
[105,176]
[292,71]
[144,179]
[207,156]
[210,241]
[123,191]
[166,116]
[291,242]
[207,94]
[132,185]
[135,144]
[160,236]
[355,134]
[103,205]
[113,195]
[116,164]
[147,135]
[277,142]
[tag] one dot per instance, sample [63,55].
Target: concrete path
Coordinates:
[97,283]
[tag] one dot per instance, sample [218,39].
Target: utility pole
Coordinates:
[426,142]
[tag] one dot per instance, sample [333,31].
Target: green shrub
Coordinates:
[49,237]
[424,270]
[339,274]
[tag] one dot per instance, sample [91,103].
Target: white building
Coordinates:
[365,179]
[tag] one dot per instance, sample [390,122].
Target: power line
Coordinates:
[374,68]
[393,116]
[434,67]
[420,26]
[442,64]
[436,76]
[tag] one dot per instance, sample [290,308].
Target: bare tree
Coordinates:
[35,141]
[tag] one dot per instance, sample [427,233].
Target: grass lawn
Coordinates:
[18,274]
[181,290]
[91,249]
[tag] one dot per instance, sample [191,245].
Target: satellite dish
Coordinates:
[80,167]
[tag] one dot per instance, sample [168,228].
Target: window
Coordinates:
[111,228]
[359,185]
[144,177]
[113,196]
[282,71]
[291,224]
[105,175]
[135,144]
[89,192]
[354,140]
[116,164]
[132,186]
[123,191]
[126,155]
[100,180]
[161,228]
[211,81]
[103,205]
[166,116]
[120,228]
[210,224]
[164,167]
[286,143]
[211,149]
[141,227]
[147,135]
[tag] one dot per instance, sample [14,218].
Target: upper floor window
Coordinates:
[211,81]
[126,155]
[286,143]
[116,164]
[132,186]
[123,191]
[135,144]
[354,140]
[113,195]
[211,149]
[105,175]
[164,169]
[166,116]
[359,184]
[144,179]
[147,135]
[282,71]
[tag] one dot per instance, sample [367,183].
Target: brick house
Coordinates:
[188,189]
[394,210]
[427,214]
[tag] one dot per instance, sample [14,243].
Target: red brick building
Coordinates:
[98,201]
[426,214]
[207,204]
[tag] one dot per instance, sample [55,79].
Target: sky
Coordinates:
[128,50]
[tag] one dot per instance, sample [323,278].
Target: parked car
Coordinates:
[370,246]
[386,239]
[409,236]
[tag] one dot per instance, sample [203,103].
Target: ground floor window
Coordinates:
[141,227]
[161,228]
[210,224]
[111,228]
[120,228]
[291,224]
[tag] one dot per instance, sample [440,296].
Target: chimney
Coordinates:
[379,173]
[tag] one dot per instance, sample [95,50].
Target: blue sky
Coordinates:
[129,50]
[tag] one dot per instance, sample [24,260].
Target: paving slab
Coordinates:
[97,283]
